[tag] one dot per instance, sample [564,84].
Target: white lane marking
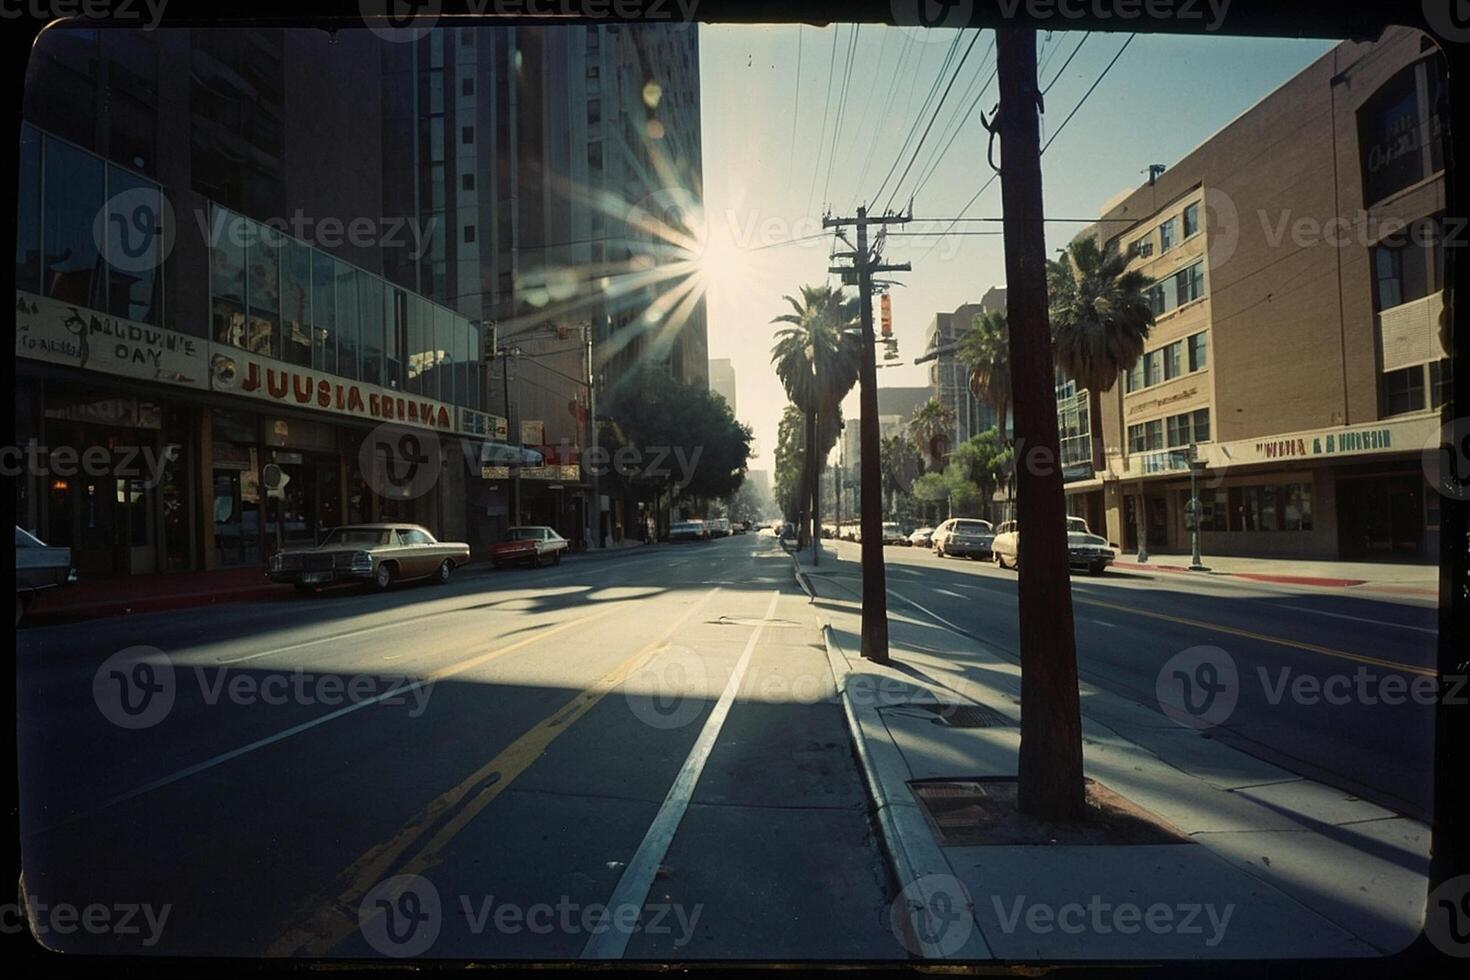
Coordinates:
[954,594]
[1104,622]
[637,878]
[1356,619]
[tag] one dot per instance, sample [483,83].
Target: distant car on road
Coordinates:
[532,544]
[965,537]
[375,554]
[688,531]
[38,567]
[893,533]
[922,538]
[1084,549]
[719,527]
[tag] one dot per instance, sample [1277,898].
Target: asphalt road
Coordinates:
[1324,679]
[547,763]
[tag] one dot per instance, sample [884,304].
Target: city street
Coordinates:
[557,710]
[529,745]
[1319,669]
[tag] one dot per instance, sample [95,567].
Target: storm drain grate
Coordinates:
[962,715]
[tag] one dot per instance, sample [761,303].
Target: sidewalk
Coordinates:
[1405,579]
[129,594]
[1264,864]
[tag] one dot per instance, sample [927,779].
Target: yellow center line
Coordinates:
[1265,638]
[329,920]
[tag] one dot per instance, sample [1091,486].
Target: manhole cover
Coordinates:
[961,715]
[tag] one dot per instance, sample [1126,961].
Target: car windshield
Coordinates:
[318,324]
[356,537]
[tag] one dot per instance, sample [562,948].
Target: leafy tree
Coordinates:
[787,482]
[817,359]
[898,465]
[985,350]
[984,461]
[931,422]
[932,490]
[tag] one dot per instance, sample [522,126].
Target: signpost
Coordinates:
[1192,510]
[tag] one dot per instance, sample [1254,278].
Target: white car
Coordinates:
[893,533]
[967,537]
[1084,549]
[922,538]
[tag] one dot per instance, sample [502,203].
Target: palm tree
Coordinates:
[817,359]
[931,421]
[1100,320]
[898,465]
[985,350]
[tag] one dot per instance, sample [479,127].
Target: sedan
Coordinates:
[1085,550]
[533,545]
[965,537]
[688,531]
[922,538]
[38,566]
[374,554]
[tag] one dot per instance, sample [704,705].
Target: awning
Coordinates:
[504,454]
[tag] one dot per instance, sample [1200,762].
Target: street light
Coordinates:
[1193,508]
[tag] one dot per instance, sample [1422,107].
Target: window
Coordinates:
[594,111]
[1153,368]
[1158,303]
[323,313]
[1403,390]
[1399,131]
[1296,512]
[347,321]
[132,243]
[467,85]
[1179,430]
[469,234]
[75,192]
[370,327]
[1202,425]
[1191,219]
[1168,235]
[1198,358]
[28,217]
[1441,382]
[467,182]
[594,156]
[263,290]
[1135,376]
[1408,266]
[1141,249]
[467,134]
[296,305]
[1146,436]
[1174,360]
[1190,283]
[1245,509]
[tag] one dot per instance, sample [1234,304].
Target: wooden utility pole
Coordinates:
[1050,769]
[875,584]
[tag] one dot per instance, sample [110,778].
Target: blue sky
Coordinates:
[1164,97]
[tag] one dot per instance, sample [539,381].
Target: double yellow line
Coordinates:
[330,917]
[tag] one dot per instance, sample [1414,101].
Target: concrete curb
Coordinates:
[924,876]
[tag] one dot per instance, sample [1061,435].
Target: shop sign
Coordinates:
[533,432]
[75,336]
[473,423]
[1390,436]
[495,472]
[240,372]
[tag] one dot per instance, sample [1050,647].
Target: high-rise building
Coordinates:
[722,379]
[949,380]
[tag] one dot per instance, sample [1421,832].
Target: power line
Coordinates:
[826,107]
[841,109]
[1095,83]
[932,119]
[913,129]
[903,53]
[796,103]
[1062,70]
[934,163]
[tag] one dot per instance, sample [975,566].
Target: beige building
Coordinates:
[1298,262]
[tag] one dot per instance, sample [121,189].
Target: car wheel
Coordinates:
[382,576]
[1096,569]
[556,557]
[446,569]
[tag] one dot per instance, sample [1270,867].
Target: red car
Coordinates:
[533,546]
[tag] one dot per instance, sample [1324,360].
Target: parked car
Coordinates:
[1084,549]
[377,554]
[965,537]
[533,544]
[688,531]
[893,533]
[922,538]
[38,567]
[719,527]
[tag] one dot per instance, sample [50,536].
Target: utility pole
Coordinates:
[1050,770]
[504,354]
[592,434]
[875,585]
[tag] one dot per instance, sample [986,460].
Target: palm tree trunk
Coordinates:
[808,469]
